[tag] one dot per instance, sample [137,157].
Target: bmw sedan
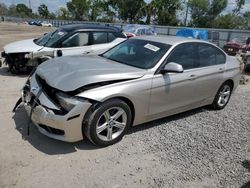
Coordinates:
[137,81]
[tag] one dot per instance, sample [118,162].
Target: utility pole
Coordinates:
[30,4]
[187,9]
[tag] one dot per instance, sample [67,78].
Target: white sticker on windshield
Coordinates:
[60,33]
[152,47]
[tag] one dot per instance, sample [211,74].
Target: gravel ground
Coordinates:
[198,148]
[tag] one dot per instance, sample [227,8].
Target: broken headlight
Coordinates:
[68,102]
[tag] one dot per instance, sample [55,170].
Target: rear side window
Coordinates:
[184,55]
[111,37]
[210,55]
[100,37]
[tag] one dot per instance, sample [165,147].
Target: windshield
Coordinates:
[138,53]
[51,38]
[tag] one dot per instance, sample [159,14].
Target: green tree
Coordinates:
[97,8]
[79,9]
[43,11]
[128,10]
[3,9]
[23,10]
[229,21]
[239,5]
[149,11]
[204,12]
[166,10]
[63,13]
[12,10]
[246,17]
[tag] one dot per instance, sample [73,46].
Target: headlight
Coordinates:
[67,102]
[28,56]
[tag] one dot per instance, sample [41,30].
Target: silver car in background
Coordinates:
[139,80]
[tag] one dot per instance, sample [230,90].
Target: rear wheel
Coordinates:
[223,96]
[108,123]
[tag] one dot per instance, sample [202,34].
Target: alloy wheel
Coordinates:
[111,124]
[224,95]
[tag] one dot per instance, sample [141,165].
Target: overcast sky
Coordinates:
[54,5]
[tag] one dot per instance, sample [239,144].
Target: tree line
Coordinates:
[193,13]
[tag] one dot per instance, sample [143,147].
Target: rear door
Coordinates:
[211,70]
[203,66]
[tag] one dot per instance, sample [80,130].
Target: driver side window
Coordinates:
[76,40]
[184,55]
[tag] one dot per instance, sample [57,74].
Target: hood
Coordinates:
[72,72]
[22,46]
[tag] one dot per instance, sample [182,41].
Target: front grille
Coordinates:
[52,130]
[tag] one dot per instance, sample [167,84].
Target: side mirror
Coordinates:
[59,53]
[172,67]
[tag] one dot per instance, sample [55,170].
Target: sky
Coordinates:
[54,5]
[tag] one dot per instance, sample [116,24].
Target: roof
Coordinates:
[73,27]
[171,40]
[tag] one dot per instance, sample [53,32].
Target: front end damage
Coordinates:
[24,62]
[17,62]
[55,113]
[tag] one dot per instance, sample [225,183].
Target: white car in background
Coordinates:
[46,24]
[77,39]
[132,30]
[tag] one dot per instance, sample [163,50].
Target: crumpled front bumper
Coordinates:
[66,127]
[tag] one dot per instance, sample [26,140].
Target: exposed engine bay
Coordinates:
[24,62]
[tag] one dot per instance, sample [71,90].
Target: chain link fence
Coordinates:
[217,36]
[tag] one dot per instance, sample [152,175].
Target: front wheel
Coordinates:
[108,123]
[223,96]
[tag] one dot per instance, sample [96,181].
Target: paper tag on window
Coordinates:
[60,33]
[152,47]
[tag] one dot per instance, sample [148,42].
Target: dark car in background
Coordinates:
[236,45]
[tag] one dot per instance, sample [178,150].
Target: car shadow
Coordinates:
[246,164]
[4,71]
[168,119]
[43,143]
[54,147]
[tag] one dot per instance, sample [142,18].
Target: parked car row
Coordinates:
[104,83]
[39,23]
[237,45]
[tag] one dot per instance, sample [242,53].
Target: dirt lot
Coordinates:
[199,148]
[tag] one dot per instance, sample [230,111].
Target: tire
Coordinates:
[223,96]
[108,123]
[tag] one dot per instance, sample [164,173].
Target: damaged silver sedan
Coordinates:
[139,80]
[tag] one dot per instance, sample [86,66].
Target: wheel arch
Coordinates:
[230,81]
[130,104]
[97,104]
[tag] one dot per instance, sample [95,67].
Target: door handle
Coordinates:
[221,70]
[192,77]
